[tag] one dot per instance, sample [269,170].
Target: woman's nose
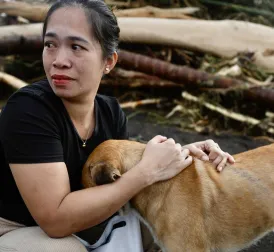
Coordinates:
[62,59]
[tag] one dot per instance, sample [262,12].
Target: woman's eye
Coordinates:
[48,44]
[76,47]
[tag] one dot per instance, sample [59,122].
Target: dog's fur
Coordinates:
[199,210]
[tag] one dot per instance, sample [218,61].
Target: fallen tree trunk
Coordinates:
[33,12]
[20,39]
[180,74]
[150,11]
[222,38]
[135,83]
[37,12]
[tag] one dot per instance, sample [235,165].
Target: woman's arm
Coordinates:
[60,212]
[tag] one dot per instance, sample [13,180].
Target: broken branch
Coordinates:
[134,104]
[12,81]
[230,114]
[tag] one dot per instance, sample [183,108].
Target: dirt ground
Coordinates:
[142,128]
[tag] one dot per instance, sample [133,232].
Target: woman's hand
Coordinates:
[210,151]
[163,159]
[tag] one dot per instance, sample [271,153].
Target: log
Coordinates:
[141,79]
[37,11]
[135,83]
[224,38]
[154,12]
[181,74]
[34,12]
[20,39]
[12,80]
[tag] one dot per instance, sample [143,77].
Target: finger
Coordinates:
[210,144]
[217,161]
[185,153]
[186,162]
[221,165]
[158,139]
[178,147]
[170,141]
[231,159]
[198,153]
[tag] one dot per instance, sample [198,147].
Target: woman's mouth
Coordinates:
[61,80]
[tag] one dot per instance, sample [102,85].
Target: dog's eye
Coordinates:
[115,176]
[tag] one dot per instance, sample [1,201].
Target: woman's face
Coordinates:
[72,57]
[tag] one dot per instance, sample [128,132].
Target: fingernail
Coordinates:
[220,169]
[205,158]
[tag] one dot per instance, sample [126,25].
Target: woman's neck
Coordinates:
[82,115]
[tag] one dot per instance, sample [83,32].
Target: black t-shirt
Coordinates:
[36,128]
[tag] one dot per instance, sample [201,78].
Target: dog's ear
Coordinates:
[103,173]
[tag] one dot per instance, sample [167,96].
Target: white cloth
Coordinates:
[124,238]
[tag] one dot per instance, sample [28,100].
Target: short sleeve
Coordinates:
[28,131]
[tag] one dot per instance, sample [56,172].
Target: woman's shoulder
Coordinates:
[37,97]
[40,89]
[38,92]
[107,102]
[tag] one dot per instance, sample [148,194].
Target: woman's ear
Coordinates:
[111,62]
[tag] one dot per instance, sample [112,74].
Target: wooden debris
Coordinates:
[174,110]
[134,104]
[180,74]
[230,114]
[193,78]
[37,12]
[240,8]
[139,82]
[150,11]
[224,38]
[20,39]
[33,12]
[12,81]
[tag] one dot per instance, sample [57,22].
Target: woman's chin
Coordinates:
[66,93]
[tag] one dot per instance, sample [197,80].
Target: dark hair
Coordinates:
[102,20]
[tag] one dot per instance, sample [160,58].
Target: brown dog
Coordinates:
[199,209]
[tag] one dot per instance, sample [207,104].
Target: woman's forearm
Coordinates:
[82,209]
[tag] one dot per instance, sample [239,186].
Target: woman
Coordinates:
[48,129]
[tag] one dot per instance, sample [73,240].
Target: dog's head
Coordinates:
[110,160]
[102,173]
